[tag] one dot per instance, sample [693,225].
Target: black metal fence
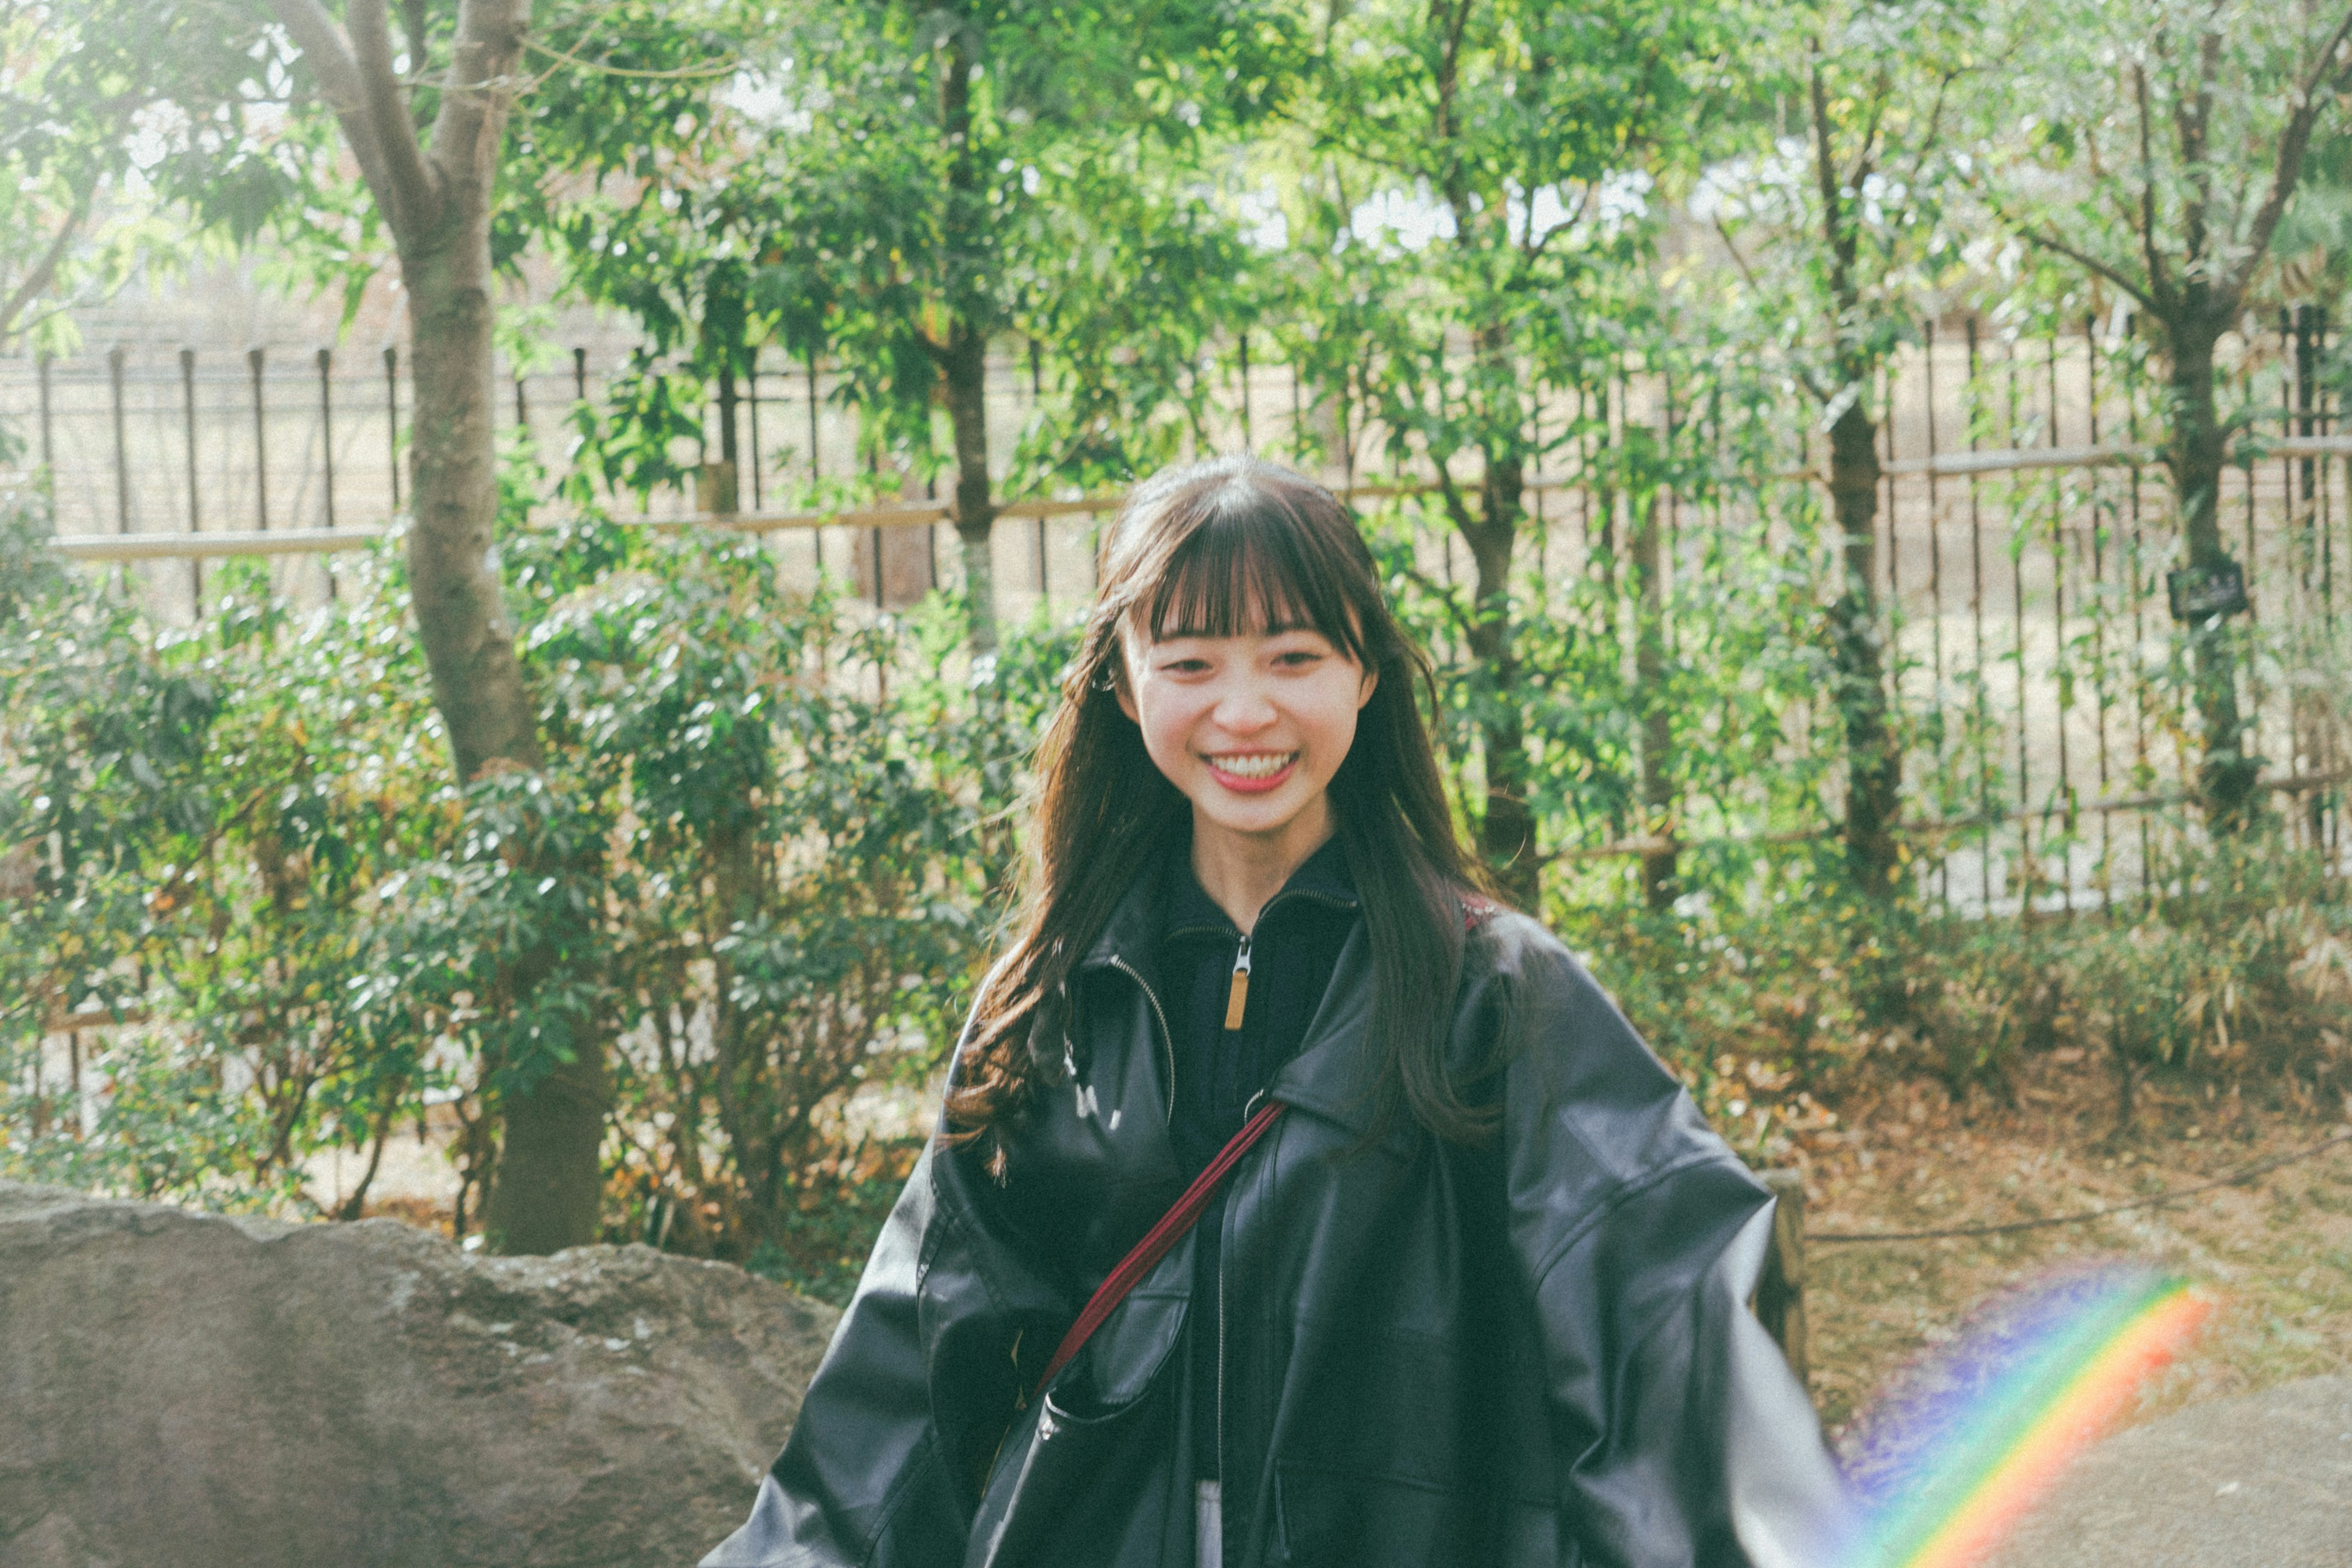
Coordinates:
[2026,530]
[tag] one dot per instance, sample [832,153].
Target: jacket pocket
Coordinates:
[1084,1468]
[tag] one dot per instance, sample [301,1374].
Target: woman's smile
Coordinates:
[1251,773]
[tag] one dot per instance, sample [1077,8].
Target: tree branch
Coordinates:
[2192,117]
[338,76]
[2049,241]
[2294,142]
[1737,260]
[37,281]
[1833,225]
[2159,292]
[413,201]
[481,65]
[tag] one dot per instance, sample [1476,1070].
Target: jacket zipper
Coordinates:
[1248,1110]
[1236,999]
[1167,1035]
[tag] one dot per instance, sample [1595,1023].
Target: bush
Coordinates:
[759,872]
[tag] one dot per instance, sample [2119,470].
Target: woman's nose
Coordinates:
[1241,708]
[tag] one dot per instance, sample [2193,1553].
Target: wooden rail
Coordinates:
[328,541]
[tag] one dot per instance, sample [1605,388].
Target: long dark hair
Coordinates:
[1220,549]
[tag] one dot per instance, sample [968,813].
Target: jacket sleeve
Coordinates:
[894,1439]
[1680,1439]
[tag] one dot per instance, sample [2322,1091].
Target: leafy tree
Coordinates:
[2162,149]
[1850,233]
[254,115]
[976,174]
[1500,137]
[76,220]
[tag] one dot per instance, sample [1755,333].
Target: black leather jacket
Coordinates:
[1536,1352]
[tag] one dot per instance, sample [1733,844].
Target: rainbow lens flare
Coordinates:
[1950,1463]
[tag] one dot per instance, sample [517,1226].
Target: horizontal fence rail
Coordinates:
[920,514]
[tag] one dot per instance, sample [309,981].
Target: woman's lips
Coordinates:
[1254,781]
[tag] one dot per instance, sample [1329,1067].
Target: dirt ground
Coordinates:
[2277,1252]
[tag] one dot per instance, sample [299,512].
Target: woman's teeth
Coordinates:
[1254,764]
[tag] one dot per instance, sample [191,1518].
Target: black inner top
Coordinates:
[1293,949]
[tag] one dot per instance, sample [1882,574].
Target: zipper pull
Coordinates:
[1238,997]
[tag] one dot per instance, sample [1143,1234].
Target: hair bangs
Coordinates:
[1247,569]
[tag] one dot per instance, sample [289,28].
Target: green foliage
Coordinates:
[759,873]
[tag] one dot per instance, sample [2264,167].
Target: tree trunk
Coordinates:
[963,358]
[964,366]
[437,205]
[461,614]
[549,1184]
[1506,829]
[2194,451]
[1874,767]
[1660,879]
[548,1179]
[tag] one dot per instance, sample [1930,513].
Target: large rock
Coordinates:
[179,1390]
[2261,1481]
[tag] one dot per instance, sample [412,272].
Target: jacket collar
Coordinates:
[1136,921]
[1332,1075]
[1187,909]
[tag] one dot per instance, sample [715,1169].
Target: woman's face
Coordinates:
[1250,728]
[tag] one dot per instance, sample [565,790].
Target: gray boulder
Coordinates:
[2259,1480]
[179,1390]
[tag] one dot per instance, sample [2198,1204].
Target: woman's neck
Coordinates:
[1241,871]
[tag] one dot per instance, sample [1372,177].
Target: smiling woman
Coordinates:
[1294,1201]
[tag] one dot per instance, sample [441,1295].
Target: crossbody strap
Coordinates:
[1159,1238]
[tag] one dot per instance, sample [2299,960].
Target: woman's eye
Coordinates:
[1298,659]
[1185,666]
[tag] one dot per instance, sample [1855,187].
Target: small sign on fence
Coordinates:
[2202,593]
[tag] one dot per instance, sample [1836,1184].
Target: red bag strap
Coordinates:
[1159,1238]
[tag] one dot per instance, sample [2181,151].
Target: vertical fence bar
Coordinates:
[1583,481]
[188,425]
[2100,606]
[2327,522]
[195,524]
[392,419]
[253,361]
[816,465]
[1249,440]
[1674,501]
[2328,575]
[114,358]
[2246,466]
[1935,602]
[1298,413]
[1887,382]
[2138,558]
[327,424]
[2306,530]
[49,443]
[580,375]
[2296,540]
[2017,638]
[1037,397]
[752,395]
[1976,620]
[2300,422]
[2062,688]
